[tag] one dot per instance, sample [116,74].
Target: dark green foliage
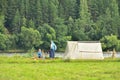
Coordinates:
[38,16]
[2,27]
[2,41]
[110,42]
[67,8]
[31,24]
[47,34]
[16,23]
[29,38]
[61,33]
[58,20]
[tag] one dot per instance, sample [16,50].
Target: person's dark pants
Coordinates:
[52,53]
[39,56]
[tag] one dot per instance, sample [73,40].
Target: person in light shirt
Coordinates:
[53,48]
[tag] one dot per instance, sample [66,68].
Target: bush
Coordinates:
[110,42]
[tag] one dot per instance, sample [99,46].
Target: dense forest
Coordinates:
[26,24]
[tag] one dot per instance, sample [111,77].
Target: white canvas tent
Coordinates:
[83,50]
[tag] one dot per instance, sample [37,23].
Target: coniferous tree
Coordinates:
[27,4]
[24,22]
[31,9]
[47,34]
[118,1]
[61,33]
[16,23]
[71,25]
[38,16]
[115,16]
[77,9]
[3,6]
[79,19]
[67,8]
[31,24]
[22,7]
[84,12]
[52,10]
[45,16]
[94,10]
[84,22]
[3,30]
[11,11]
[109,21]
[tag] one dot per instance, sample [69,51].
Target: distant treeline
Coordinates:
[27,24]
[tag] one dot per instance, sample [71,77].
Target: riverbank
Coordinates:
[57,54]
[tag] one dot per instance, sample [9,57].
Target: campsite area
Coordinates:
[21,68]
[33,31]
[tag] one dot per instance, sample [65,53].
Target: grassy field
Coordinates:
[21,68]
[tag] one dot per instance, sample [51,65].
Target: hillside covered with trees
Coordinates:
[26,24]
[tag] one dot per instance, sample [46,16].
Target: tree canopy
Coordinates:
[57,20]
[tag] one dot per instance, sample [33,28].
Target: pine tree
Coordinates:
[47,34]
[118,1]
[71,25]
[27,4]
[3,30]
[16,23]
[11,11]
[113,5]
[53,12]
[45,16]
[84,22]
[94,10]
[110,20]
[22,7]
[31,24]
[61,33]
[38,16]
[66,8]
[3,6]
[84,12]
[24,22]
[115,16]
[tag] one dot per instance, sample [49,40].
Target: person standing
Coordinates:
[53,48]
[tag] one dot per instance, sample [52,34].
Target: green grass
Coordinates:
[22,68]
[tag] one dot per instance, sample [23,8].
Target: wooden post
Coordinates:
[114,53]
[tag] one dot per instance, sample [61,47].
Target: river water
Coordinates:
[104,54]
[57,54]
